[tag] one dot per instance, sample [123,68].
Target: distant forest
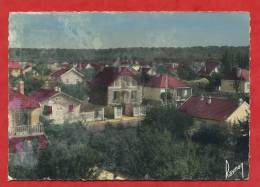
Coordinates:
[145,55]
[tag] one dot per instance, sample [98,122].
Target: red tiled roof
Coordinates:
[14,65]
[20,101]
[109,74]
[13,142]
[42,94]
[166,81]
[59,72]
[219,109]
[208,68]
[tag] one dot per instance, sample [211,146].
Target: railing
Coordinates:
[25,130]
[139,111]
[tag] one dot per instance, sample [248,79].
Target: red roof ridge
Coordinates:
[219,108]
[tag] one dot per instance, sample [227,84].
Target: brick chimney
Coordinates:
[209,100]
[21,87]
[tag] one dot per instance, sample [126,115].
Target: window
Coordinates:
[67,81]
[47,110]
[134,95]
[126,81]
[185,93]
[71,108]
[117,83]
[115,95]
[21,118]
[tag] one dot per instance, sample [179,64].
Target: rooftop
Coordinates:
[219,109]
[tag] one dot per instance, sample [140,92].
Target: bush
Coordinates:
[109,112]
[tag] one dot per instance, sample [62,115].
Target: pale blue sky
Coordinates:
[136,29]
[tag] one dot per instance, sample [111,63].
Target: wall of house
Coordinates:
[122,86]
[71,78]
[240,114]
[35,116]
[228,86]
[152,93]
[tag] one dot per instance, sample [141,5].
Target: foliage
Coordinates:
[41,68]
[214,82]
[69,155]
[109,112]
[230,60]
[165,146]
[31,83]
[166,96]
[89,73]
[186,73]
[148,55]
[168,118]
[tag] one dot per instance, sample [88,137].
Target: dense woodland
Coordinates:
[167,145]
[146,55]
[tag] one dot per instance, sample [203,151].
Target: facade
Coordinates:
[23,115]
[216,109]
[120,89]
[56,105]
[163,83]
[236,82]
[67,76]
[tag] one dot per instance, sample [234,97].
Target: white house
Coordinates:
[56,105]
[67,76]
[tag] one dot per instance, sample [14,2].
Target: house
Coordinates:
[68,76]
[23,114]
[56,105]
[236,81]
[209,68]
[195,66]
[172,68]
[215,109]
[136,66]
[163,83]
[14,68]
[117,87]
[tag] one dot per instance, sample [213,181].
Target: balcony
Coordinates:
[26,130]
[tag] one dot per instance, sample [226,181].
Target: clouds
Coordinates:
[105,30]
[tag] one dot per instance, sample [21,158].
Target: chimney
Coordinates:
[240,101]
[202,97]
[21,87]
[209,100]
[238,72]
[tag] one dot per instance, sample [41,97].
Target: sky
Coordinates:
[98,30]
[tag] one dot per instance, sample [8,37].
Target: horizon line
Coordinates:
[130,47]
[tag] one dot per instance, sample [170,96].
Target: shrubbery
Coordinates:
[162,147]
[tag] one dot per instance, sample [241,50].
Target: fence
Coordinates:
[25,130]
[92,116]
[139,111]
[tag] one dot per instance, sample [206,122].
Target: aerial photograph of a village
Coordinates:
[128,96]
